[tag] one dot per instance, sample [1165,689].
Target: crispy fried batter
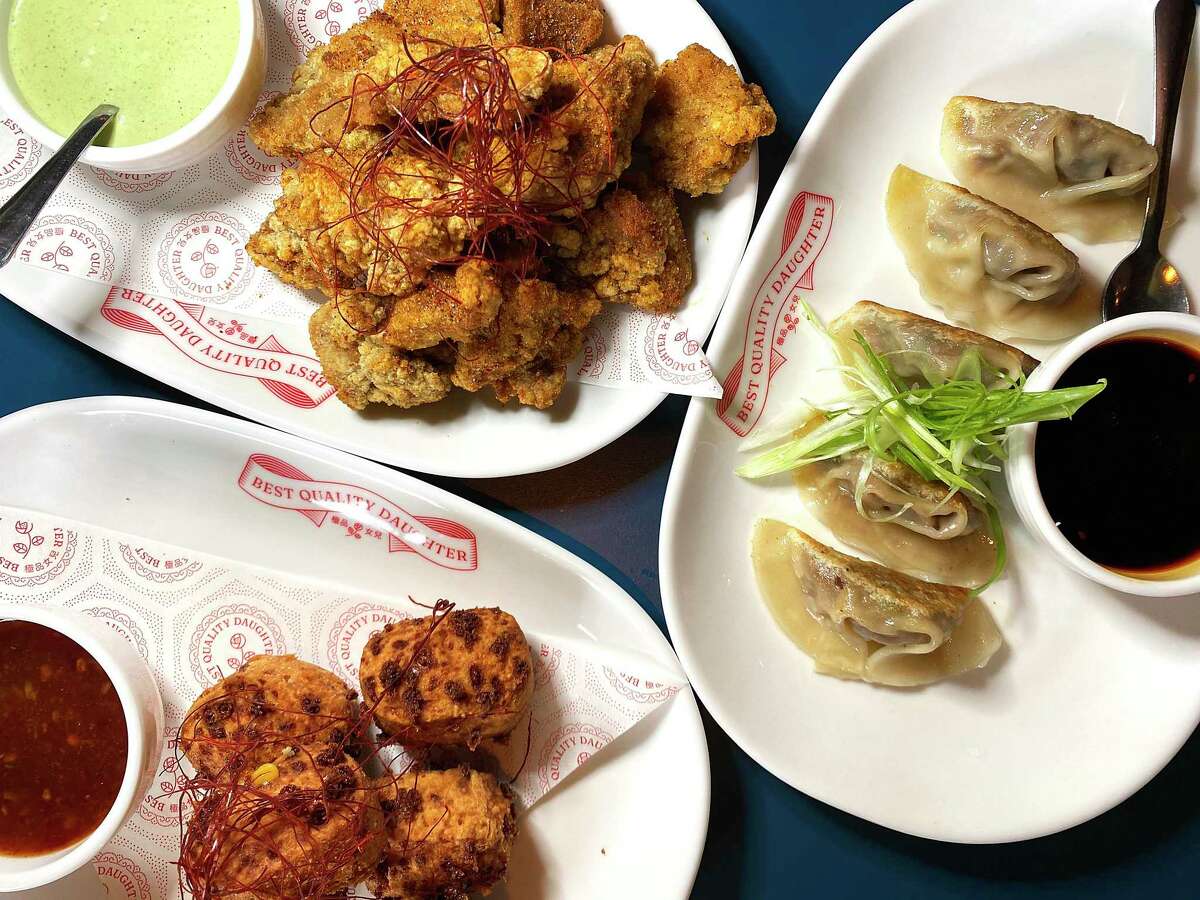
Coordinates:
[702,122]
[572,26]
[632,248]
[428,16]
[453,306]
[269,703]
[364,369]
[595,108]
[313,830]
[539,330]
[468,678]
[337,88]
[311,240]
[449,834]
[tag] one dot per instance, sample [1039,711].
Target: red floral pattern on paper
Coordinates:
[30,555]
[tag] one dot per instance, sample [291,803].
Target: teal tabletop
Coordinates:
[765,840]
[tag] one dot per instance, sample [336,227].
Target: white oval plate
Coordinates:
[1095,691]
[464,436]
[633,826]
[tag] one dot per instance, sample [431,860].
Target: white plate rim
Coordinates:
[29,418]
[674,608]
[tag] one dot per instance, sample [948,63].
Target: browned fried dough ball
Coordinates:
[307,824]
[449,834]
[270,703]
[448,680]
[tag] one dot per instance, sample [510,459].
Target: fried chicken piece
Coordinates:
[271,702]
[451,680]
[454,305]
[702,122]
[399,230]
[428,16]
[449,835]
[538,331]
[572,26]
[458,306]
[632,248]
[365,77]
[594,108]
[308,824]
[366,370]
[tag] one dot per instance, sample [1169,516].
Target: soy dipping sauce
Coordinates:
[1121,479]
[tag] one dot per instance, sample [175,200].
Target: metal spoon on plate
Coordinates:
[1145,280]
[19,213]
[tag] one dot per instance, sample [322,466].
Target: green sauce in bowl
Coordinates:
[161,61]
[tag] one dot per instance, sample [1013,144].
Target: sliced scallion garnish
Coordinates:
[953,432]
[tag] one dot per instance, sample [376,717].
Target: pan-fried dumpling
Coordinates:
[918,527]
[925,350]
[1064,170]
[984,266]
[860,620]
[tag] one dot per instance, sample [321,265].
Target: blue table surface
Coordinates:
[765,840]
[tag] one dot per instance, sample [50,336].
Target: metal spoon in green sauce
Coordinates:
[161,62]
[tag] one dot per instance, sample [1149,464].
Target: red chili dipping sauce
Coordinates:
[63,741]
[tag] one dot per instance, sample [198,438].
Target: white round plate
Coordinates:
[633,825]
[465,436]
[1094,691]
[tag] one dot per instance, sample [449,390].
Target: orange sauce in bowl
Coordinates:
[63,741]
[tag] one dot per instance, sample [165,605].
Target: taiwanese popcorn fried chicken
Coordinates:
[632,248]
[573,26]
[594,109]
[458,306]
[538,331]
[431,16]
[453,679]
[381,238]
[449,834]
[366,77]
[461,192]
[270,703]
[307,824]
[365,370]
[702,122]
[513,337]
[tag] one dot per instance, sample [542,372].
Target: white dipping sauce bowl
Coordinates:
[143,708]
[227,112]
[1021,471]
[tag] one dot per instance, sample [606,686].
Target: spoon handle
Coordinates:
[1174,21]
[18,214]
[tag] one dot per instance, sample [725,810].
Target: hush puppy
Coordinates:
[449,834]
[270,703]
[455,679]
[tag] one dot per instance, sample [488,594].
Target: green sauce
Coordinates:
[160,61]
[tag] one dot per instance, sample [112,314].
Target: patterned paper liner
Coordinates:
[180,236]
[195,618]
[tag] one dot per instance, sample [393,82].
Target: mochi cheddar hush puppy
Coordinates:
[449,834]
[454,678]
[303,825]
[269,704]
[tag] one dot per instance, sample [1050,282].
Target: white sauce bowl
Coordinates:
[1021,471]
[227,112]
[143,708]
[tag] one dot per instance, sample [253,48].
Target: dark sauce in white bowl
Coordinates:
[1121,479]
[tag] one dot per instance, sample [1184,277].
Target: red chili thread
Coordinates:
[490,152]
